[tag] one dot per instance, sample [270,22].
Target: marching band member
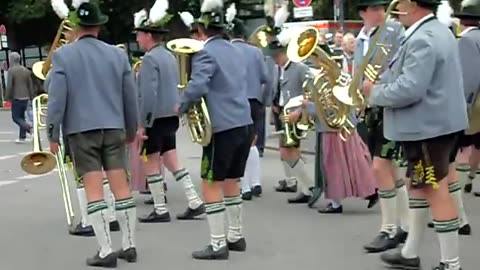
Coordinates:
[424,109]
[157,83]
[393,193]
[444,13]
[99,117]
[470,59]
[218,73]
[292,76]
[257,82]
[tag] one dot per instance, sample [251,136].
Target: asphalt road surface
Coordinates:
[33,230]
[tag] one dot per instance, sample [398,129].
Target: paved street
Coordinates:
[33,231]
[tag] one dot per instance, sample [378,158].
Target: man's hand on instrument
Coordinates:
[54,148]
[367,87]
[293,117]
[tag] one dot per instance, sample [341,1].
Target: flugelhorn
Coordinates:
[40,69]
[352,94]
[305,45]
[198,118]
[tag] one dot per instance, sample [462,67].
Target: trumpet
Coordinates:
[198,118]
[291,132]
[40,69]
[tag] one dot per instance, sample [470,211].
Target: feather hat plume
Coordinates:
[284,37]
[281,16]
[231,13]
[154,20]
[60,8]
[444,13]
[76,3]
[212,14]
[187,18]
[269,8]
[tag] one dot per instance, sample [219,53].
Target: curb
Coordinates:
[275,148]
[3,109]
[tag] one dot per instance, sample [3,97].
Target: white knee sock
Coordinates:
[127,217]
[248,175]
[336,203]
[298,169]
[216,222]
[110,199]
[82,203]
[291,181]
[253,163]
[183,176]
[417,224]
[388,206]
[155,184]
[447,232]
[233,206]
[402,209]
[98,214]
[455,190]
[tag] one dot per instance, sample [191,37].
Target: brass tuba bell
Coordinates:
[198,118]
[336,115]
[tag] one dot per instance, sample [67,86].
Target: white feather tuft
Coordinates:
[139,17]
[187,18]
[210,5]
[231,13]
[281,16]
[284,37]
[467,3]
[77,3]
[269,8]
[158,11]
[444,13]
[60,8]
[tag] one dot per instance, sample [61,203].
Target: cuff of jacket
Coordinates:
[54,133]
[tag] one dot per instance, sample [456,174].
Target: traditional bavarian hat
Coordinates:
[86,14]
[372,3]
[470,9]
[154,21]
[279,36]
[212,14]
[235,26]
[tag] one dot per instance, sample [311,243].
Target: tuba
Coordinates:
[41,68]
[352,94]
[198,118]
[336,115]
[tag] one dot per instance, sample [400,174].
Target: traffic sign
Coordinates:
[302,3]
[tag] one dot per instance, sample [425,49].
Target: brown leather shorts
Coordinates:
[428,160]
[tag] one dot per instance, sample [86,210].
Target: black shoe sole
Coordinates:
[401,267]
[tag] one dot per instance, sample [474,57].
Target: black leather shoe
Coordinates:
[129,255]
[257,191]
[381,243]
[430,224]
[79,230]
[300,198]
[192,213]
[114,226]
[247,196]
[476,194]
[331,210]
[467,188]
[283,187]
[155,218]
[209,254]
[397,261]
[240,245]
[151,202]
[465,230]
[372,200]
[146,192]
[441,266]
[401,236]
[108,262]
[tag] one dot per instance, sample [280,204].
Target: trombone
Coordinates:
[40,162]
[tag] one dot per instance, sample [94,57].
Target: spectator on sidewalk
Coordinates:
[19,92]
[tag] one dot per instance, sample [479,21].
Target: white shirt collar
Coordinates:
[209,39]
[414,26]
[237,40]
[365,36]
[468,29]
[286,65]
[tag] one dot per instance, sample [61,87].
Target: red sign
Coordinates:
[302,3]
[3,30]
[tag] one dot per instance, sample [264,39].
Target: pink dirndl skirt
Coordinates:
[138,180]
[347,165]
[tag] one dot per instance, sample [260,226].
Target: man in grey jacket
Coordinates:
[157,82]
[424,109]
[218,75]
[258,85]
[92,99]
[19,92]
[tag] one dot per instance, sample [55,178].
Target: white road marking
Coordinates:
[7,157]
[8,182]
